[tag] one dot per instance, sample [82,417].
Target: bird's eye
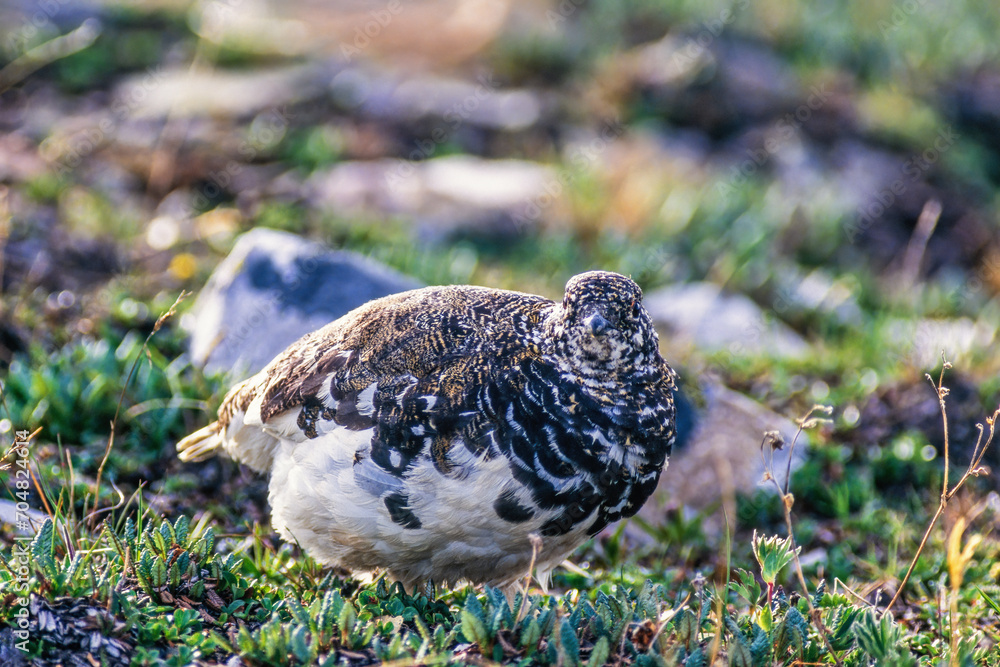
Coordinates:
[636,308]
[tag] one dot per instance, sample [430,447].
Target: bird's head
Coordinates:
[601,327]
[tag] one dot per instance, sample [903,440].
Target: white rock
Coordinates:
[703,316]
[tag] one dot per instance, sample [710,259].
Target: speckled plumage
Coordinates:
[429,433]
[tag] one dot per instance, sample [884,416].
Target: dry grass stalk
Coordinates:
[947,493]
[788,500]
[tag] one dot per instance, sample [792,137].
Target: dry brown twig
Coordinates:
[773,439]
[89,518]
[536,548]
[913,256]
[974,470]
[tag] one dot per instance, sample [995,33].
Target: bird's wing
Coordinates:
[395,373]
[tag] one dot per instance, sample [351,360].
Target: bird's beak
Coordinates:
[597,324]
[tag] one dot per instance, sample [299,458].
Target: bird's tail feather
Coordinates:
[200,445]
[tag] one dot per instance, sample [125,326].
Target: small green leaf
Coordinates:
[199,549]
[788,635]
[878,638]
[329,610]
[990,601]
[842,632]
[532,633]
[299,612]
[42,545]
[109,536]
[245,641]
[181,527]
[158,573]
[158,542]
[130,532]
[347,620]
[747,586]
[772,554]
[440,638]
[646,603]
[167,531]
[422,629]
[174,575]
[599,654]
[696,659]
[687,630]
[765,618]
[569,645]
[146,564]
[473,606]
[473,624]
[739,654]
[301,647]
[820,591]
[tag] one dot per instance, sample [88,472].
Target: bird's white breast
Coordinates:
[333,506]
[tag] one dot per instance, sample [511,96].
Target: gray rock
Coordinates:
[273,288]
[702,316]
[413,98]
[177,91]
[10,515]
[442,195]
[724,449]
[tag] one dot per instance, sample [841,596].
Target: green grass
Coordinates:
[179,599]
[207,585]
[75,392]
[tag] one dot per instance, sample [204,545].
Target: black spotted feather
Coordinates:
[430,433]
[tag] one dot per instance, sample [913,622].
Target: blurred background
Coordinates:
[807,192]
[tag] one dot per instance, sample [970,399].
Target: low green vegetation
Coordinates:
[205,585]
[169,597]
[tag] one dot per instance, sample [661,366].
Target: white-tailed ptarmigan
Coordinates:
[430,433]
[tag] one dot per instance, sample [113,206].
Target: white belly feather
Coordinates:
[333,505]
